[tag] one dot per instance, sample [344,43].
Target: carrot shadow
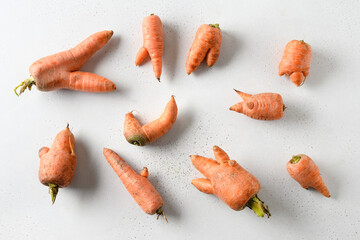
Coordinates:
[321,67]
[85,178]
[171,48]
[230,46]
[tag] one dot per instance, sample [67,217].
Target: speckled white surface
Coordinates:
[322,119]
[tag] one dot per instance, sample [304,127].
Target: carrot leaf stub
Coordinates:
[258,207]
[26,84]
[215,25]
[295,159]
[53,190]
[138,140]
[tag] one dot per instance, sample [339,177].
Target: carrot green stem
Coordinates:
[152,14]
[53,190]
[258,207]
[284,107]
[27,83]
[216,25]
[295,159]
[160,212]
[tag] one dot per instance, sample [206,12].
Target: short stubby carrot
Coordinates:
[153,44]
[296,61]
[57,163]
[142,135]
[304,170]
[60,70]
[263,106]
[229,181]
[137,185]
[207,45]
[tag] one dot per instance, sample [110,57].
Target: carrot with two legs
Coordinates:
[60,70]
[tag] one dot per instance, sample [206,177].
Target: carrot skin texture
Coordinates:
[306,173]
[207,45]
[296,61]
[263,106]
[138,186]
[153,44]
[231,183]
[142,135]
[60,70]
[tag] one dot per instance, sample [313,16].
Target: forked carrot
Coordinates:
[57,163]
[304,170]
[60,70]
[137,185]
[296,61]
[207,45]
[263,106]
[142,135]
[229,181]
[153,44]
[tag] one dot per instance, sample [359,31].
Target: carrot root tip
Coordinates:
[159,213]
[258,207]
[53,190]
[26,84]
[158,79]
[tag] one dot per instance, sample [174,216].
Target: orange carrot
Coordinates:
[137,185]
[142,135]
[57,164]
[296,61]
[229,181]
[304,170]
[263,106]
[207,45]
[153,44]
[60,70]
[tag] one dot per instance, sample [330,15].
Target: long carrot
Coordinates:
[229,181]
[57,163]
[296,61]
[60,70]
[137,185]
[153,44]
[263,106]
[304,170]
[142,135]
[207,45]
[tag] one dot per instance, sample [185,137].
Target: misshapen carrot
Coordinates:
[229,181]
[296,61]
[57,163]
[263,106]
[304,170]
[142,135]
[207,45]
[60,70]
[137,185]
[153,44]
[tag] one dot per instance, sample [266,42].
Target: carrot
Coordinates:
[296,61]
[153,44]
[142,135]
[60,70]
[207,45]
[57,163]
[263,106]
[137,185]
[304,170]
[229,181]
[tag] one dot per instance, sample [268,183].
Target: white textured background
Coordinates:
[322,119]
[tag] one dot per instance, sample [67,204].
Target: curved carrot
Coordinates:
[153,44]
[304,170]
[296,61]
[137,185]
[263,106]
[229,181]
[60,70]
[57,163]
[142,135]
[207,44]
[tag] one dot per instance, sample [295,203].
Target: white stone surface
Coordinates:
[322,119]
